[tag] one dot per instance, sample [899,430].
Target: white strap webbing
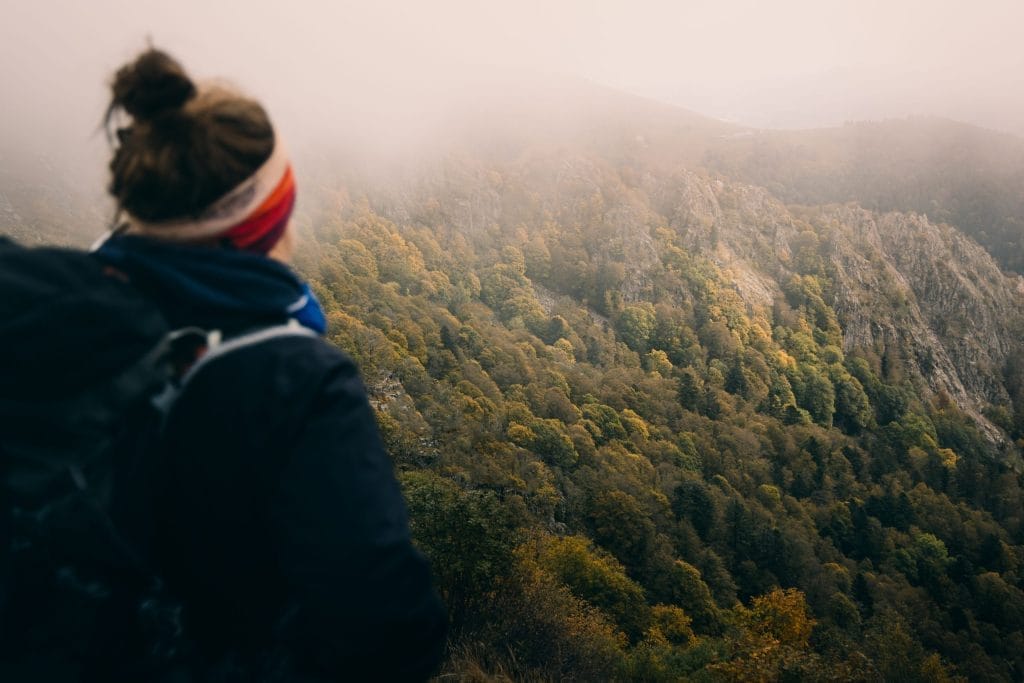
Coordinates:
[216,348]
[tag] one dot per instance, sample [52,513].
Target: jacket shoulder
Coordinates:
[264,391]
[273,352]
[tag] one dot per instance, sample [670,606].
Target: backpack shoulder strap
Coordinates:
[216,347]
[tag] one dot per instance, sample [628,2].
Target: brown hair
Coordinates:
[185,147]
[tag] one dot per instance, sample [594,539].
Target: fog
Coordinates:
[388,73]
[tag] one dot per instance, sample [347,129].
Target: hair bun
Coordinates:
[151,85]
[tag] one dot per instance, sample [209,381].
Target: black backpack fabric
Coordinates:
[83,355]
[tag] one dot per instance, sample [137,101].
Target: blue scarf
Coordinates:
[211,287]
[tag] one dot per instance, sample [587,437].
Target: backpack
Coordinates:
[82,354]
[88,370]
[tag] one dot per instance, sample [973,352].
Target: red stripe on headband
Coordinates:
[260,231]
[268,238]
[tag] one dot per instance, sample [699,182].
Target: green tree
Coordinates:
[635,324]
[598,578]
[469,537]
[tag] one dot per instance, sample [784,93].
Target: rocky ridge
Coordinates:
[898,280]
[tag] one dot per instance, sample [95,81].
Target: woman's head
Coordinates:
[196,163]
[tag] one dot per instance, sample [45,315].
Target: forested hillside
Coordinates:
[659,426]
[654,424]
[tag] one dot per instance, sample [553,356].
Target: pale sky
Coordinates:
[761,62]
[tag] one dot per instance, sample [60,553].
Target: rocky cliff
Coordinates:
[899,283]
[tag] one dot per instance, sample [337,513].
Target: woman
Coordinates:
[279,523]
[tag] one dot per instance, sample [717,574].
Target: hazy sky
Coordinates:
[763,62]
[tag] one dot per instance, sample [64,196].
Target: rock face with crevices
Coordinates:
[954,306]
[899,283]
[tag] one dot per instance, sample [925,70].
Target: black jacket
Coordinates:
[279,522]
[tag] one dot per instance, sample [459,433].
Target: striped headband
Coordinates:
[251,217]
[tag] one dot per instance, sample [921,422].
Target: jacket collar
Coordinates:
[213,287]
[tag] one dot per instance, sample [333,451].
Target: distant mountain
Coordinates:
[838,95]
[969,177]
[904,281]
[918,293]
[955,173]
